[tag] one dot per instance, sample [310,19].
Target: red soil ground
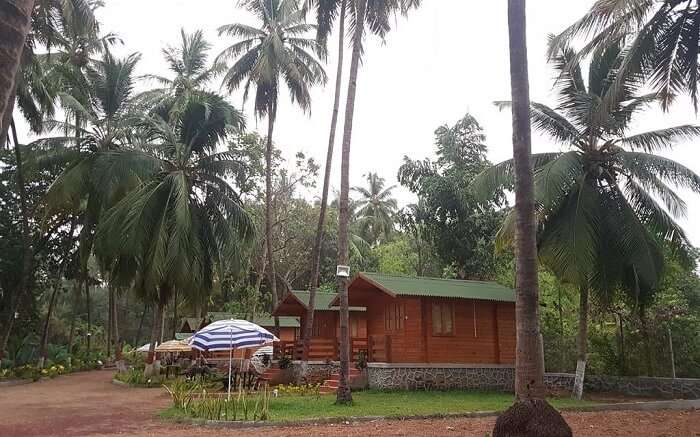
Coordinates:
[88,404]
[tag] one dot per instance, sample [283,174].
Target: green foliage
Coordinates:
[298,390]
[135,376]
[242,405]
[458,227]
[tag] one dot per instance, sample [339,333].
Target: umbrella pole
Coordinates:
[230,357]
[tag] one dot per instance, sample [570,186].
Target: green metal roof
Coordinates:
[262,320]
[323,300]
[437,287]
[182,335]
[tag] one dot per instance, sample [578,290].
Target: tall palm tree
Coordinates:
[531,414]
[189,62]
[276,53]
[662,38]
[327,11]
[181,221]
[15,20]
[375,15]
[600,224]
[104,124]
[376,209]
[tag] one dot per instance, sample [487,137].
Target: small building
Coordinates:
[398,319]
[289,326]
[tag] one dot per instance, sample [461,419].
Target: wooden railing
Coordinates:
[320,349]
[379,348]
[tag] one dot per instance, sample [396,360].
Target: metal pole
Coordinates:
[670,348]
[230,358]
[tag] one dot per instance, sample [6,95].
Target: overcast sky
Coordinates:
[447,58]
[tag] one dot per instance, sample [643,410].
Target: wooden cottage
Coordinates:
[397,319]
[326,327]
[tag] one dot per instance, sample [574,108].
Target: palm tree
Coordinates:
[376,208]
[181,221]
[375,14]
[326,13]
[15,20]
[662,41]
[189,62]
[600,225]
[104,125]
[531,411]
[275,53]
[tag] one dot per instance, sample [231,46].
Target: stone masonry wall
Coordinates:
[502,379]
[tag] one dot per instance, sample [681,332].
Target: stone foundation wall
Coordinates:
[313,372]
[499,378]
[440,378]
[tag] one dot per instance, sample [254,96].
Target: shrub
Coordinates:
[239,407]
[299,390]
[285,362]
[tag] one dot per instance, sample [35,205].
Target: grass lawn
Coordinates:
[381,403]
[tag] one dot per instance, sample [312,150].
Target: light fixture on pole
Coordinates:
[342,271]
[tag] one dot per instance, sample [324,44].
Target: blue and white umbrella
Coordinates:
[227,335]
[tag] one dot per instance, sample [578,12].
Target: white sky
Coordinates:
[447,58]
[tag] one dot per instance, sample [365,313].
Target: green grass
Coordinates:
[380,403]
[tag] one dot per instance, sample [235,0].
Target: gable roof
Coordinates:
[262,320]
[323,301]
[191,322]
[438,287]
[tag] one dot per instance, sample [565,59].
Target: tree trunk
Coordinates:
[87,313]
[115,328]
[137,339]
[344,396]
[175,314]
[43,344]
[271,276]
[646,338]
[155,331]
[531,415]
[110,324]
[15,22]
[6,122]
[27,251]
[316,254]
[581,342]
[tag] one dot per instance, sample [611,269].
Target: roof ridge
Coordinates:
[393,275]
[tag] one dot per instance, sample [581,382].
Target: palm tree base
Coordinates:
[531,418]
[344,396]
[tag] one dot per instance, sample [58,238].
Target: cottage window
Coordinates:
[443,318]
[394,314]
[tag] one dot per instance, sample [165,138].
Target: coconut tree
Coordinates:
[104,125]
[180,219]
[605,206]
[327,12]
[276,53]
[531,415]
[376,16]
[662,39]
[15,20]
[192,73]
[376,208]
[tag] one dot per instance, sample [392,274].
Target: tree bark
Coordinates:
[316,254]
[155,331]
[110,322]
[344,395]
[15,23]
[581,342]
[271,275]
[140,328]
[27,250]
[115,328]
[43,348]
[175,313]
[87,313]
[530,415]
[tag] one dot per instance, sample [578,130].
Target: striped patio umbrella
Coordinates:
[229,335]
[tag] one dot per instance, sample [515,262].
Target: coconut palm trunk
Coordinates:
[344,396]
[531,414]
[15,22]
[271,274]
[318,241]
[581,342]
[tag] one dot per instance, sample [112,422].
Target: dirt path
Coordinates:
[87,404]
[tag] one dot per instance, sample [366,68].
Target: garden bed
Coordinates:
[386,404]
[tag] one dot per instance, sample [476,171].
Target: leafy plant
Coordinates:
[285,362]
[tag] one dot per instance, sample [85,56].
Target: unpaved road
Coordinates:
[88,404]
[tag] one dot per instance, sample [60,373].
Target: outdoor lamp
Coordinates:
[342,271]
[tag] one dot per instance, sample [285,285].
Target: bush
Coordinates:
[239,407]
[134,376]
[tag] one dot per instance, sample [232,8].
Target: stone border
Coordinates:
[627,406]
[376,365]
